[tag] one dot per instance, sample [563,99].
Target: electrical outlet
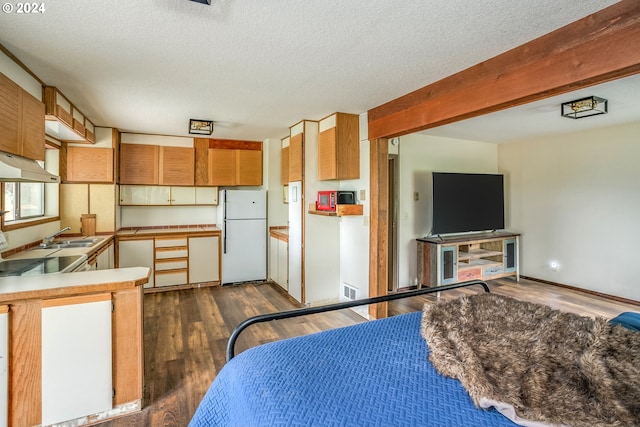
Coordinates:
[366,220]
[416,196]
[363,194]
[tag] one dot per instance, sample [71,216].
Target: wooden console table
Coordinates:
[453,259]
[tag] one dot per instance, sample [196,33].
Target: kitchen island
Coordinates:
[73,346]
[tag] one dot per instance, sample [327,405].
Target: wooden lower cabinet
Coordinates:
[72,354]
[4,366]
[174,260]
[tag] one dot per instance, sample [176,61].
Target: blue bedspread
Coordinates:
[372,374]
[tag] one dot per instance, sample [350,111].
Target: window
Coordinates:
[23,200]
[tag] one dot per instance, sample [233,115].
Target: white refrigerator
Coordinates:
[242,214]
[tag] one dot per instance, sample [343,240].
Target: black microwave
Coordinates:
[346,197]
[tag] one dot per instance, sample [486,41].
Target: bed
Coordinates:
[372,374]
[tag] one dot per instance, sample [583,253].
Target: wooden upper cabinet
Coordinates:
[222,162]
[222,166]
[21,121]
[295,158]
[9,114]
[88,164]
[284,165]
[339,147]
[64,121]
[176,166]
[32,136]
[139,164]
[249,167]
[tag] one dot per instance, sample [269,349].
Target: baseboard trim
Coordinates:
[586,291]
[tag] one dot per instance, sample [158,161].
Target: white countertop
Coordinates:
[19,284]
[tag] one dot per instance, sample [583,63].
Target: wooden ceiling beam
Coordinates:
[598,48]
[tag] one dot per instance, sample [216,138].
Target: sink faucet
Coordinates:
[47,240]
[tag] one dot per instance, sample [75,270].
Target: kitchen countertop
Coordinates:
[280,232]
[146,232]
[67,284]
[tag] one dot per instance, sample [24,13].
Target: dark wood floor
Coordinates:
[186,332]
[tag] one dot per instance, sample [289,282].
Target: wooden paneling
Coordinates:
[592,50]
[9,114]
[102,202]
[85,164]
[231,144]
[295,158]
[201,147]
[379,226]
[176,166]
[284,165]
[127,346]
[249,167]
[138,164]
[25,370]
[222,167]
[74,201]
[348,147]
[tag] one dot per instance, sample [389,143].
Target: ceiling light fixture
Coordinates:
[203,1]
[585,107]
[200,127]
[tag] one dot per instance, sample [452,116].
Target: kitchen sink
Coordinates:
[77,243]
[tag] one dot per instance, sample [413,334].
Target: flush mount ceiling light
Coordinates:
[200,127]
[585,107]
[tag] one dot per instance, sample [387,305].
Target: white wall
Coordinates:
[20,76]
[278,211]
[419,156]
[576,200]
[354,233]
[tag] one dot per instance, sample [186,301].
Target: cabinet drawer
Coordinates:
[469,274]
[492,270]
[172,253]
[171,279]
[171,265]
[167,243]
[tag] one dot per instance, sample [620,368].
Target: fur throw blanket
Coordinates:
[550,367]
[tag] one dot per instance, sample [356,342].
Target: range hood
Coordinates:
[19,169]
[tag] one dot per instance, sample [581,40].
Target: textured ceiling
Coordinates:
[256,67]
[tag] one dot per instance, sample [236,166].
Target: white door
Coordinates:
[206,195]
[137,253]
[295,240]
[76,358]
[158,195]
[283,264]
[204,259]
[183,195]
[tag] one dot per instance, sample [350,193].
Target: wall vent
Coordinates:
[349,292]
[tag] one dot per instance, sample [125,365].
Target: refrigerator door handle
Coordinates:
[224,239]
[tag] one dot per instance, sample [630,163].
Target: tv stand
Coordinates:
[444,260]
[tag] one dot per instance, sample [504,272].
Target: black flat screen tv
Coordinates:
[466,202]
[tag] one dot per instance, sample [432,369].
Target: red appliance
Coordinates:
[326,200]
